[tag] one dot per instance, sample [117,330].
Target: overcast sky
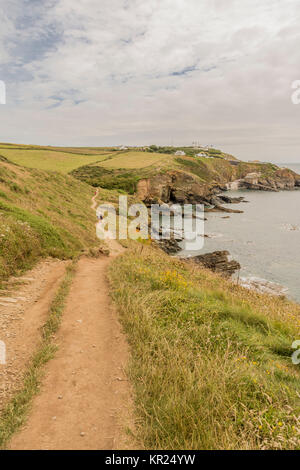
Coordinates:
[111,72]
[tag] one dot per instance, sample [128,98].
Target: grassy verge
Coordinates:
[15,413]
[211,361]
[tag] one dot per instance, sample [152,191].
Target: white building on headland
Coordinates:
[206,155]
[180,153]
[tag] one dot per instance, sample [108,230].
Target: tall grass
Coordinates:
[210,364]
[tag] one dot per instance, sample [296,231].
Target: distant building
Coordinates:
[207,155]
[123,147]
[179,153]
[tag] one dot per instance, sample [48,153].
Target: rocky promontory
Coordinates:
[181,187]
[281,179]
[217,261]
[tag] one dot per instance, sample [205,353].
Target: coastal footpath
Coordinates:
[209,362]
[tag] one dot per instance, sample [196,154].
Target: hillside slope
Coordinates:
[41,214]
[211,361]
[169,178]
[156,173]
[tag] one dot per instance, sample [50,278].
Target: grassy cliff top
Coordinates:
[212,166]
[123,170]
[211,361]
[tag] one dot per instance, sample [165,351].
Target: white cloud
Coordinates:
[137,72]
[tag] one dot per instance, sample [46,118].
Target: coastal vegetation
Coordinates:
[112,168]
[49,160]
[210,360]
[211,363]
[42,214]
[124,170]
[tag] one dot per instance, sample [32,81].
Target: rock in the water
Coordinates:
[217,261]
[264,286]
[218,208]
[171,247]
[231,200]
[281,178]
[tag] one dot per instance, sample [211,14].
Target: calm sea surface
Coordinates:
[265,239]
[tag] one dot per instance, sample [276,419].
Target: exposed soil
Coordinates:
[24,307]
[85,399]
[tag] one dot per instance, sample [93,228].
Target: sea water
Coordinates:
[265,238]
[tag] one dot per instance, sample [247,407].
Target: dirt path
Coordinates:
[85,400]
[24,309]
[94,201]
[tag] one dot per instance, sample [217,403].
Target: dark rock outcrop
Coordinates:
[271,186]
[218,208]
[175,187]
[281,179]
[231,200]
[217,261]
[171,247]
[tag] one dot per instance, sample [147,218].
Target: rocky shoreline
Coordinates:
[217,261]
[178,187]
[182,188]
[222,263]
[263,286]
[283,179]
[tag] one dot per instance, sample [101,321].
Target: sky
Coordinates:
[166,72]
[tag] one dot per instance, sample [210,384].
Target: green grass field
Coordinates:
[74,150]
[137,160]
[91,164]
[64,162]
[122,171]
